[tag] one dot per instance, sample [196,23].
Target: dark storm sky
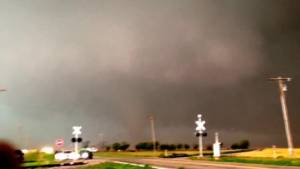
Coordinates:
[108,64]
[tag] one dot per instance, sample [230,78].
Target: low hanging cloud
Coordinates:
[108,65]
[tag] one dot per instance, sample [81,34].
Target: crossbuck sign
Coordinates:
[76,130]
[200,124]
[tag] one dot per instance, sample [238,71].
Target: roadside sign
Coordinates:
[59,142]
[200,124]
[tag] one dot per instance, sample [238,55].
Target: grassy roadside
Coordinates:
[39,164]
[256,160]
[114,166]
[33,159]
[269,161]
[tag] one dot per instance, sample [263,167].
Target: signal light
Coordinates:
[78,140]
[197,134]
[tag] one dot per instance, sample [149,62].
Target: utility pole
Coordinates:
[101,141]
[153,133]
[282,91]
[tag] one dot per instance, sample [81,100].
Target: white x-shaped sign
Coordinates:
[200,124]
[76,130]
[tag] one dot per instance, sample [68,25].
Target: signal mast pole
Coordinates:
[200,131]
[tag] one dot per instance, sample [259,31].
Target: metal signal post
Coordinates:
[200,132]
[76,139]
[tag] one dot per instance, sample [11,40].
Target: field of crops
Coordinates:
[269,153]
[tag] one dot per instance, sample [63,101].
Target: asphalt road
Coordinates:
[195,164]
[161,163]
[88,163]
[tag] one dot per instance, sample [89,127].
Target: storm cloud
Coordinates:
[107,65]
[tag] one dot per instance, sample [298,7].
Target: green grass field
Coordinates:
[114,166]
[38,159]
[259,160]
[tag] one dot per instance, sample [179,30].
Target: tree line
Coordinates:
[147,146]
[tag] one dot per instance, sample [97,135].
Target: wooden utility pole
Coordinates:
[282,91]
[153,133]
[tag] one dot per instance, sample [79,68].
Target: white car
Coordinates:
[71,155]
[92,149]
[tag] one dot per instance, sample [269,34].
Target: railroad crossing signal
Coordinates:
[76,139]
[200,132]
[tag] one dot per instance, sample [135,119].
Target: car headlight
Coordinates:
[85,155]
